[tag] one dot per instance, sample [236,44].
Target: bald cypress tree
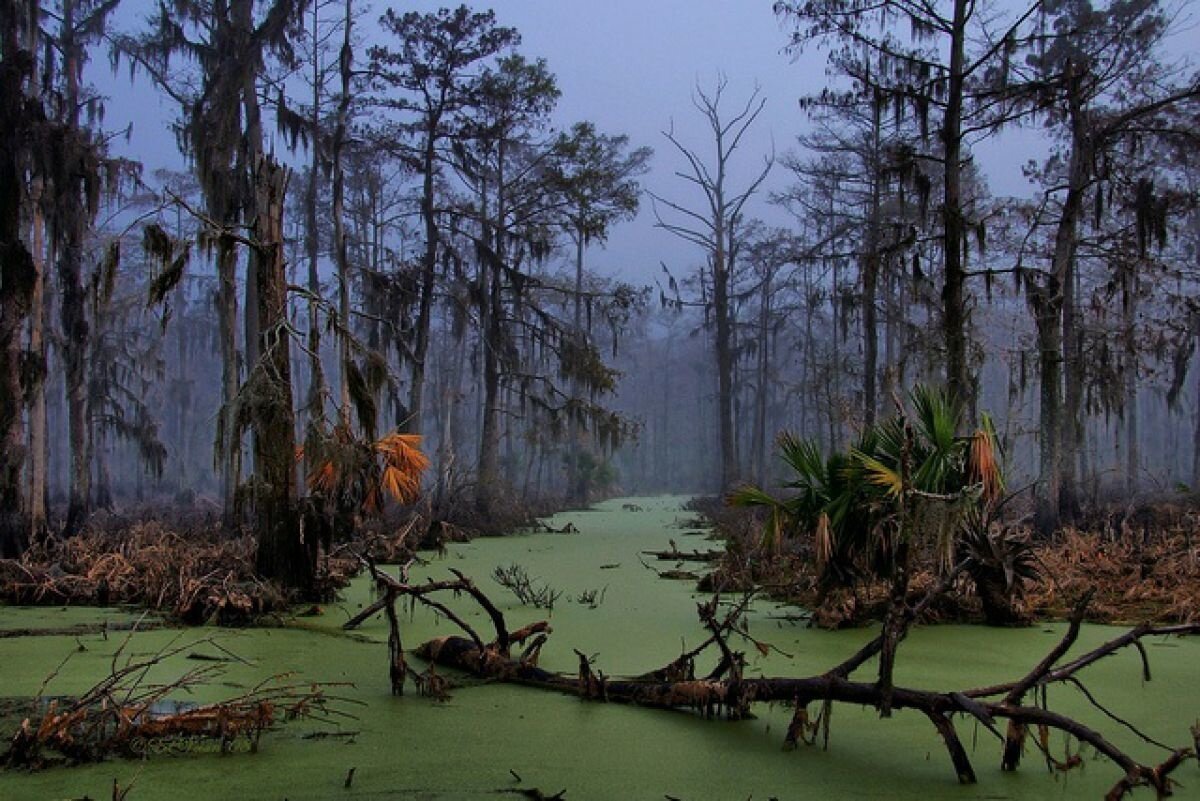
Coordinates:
[208,57]
[228,44]
[427,75]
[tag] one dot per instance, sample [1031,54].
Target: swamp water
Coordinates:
[417,748]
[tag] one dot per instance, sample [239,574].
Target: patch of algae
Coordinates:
[415,748]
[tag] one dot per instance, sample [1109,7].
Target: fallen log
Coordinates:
[676,555]
[727,693]
[685,556]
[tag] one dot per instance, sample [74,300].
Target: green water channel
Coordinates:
[417,748]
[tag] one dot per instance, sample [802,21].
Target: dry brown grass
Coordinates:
[1138,575]
[194,578]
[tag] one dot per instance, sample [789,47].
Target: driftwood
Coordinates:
[726,692]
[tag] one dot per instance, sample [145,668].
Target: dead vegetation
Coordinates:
[195,577]
[127,715]
[528,590]
[1138,575]
[182,563]
[1143,565]
[192,573]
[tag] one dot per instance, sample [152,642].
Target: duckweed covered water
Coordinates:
[416,748]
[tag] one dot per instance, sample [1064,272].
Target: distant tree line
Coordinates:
[379,231]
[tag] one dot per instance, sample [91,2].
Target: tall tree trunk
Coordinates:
[1196,416]
[954,313]
[250,155]
[38,520]
[724,348]
[229,442]
[416,393]
[312,245]
[1132,458]
[183,390]
[1046,307]
[870,274]
[1065,244]
[491,327]
[1053,307]
[345,62]
[17,277]
[37,348]
[489,435]
[576,487]
[764,364]
[71,227]
[284,554]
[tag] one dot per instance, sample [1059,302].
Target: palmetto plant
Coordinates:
[909,480]
[353,474]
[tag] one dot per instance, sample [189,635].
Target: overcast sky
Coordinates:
[629,66]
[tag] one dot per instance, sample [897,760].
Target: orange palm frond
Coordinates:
[823,541]
[984,467]
[403,464]
[371,503]
[323,478]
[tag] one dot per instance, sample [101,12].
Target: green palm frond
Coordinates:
[879,474]
[804,457]
[747,496]
[937,417]
[779,516]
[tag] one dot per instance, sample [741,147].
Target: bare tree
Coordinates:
[716,227]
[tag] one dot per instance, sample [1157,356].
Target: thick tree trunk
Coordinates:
[284,554]
[17,278]
[37,349]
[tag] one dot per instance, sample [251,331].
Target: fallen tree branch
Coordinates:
[125,714]
[727,692]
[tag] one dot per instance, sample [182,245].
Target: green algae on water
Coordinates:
[418,748]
